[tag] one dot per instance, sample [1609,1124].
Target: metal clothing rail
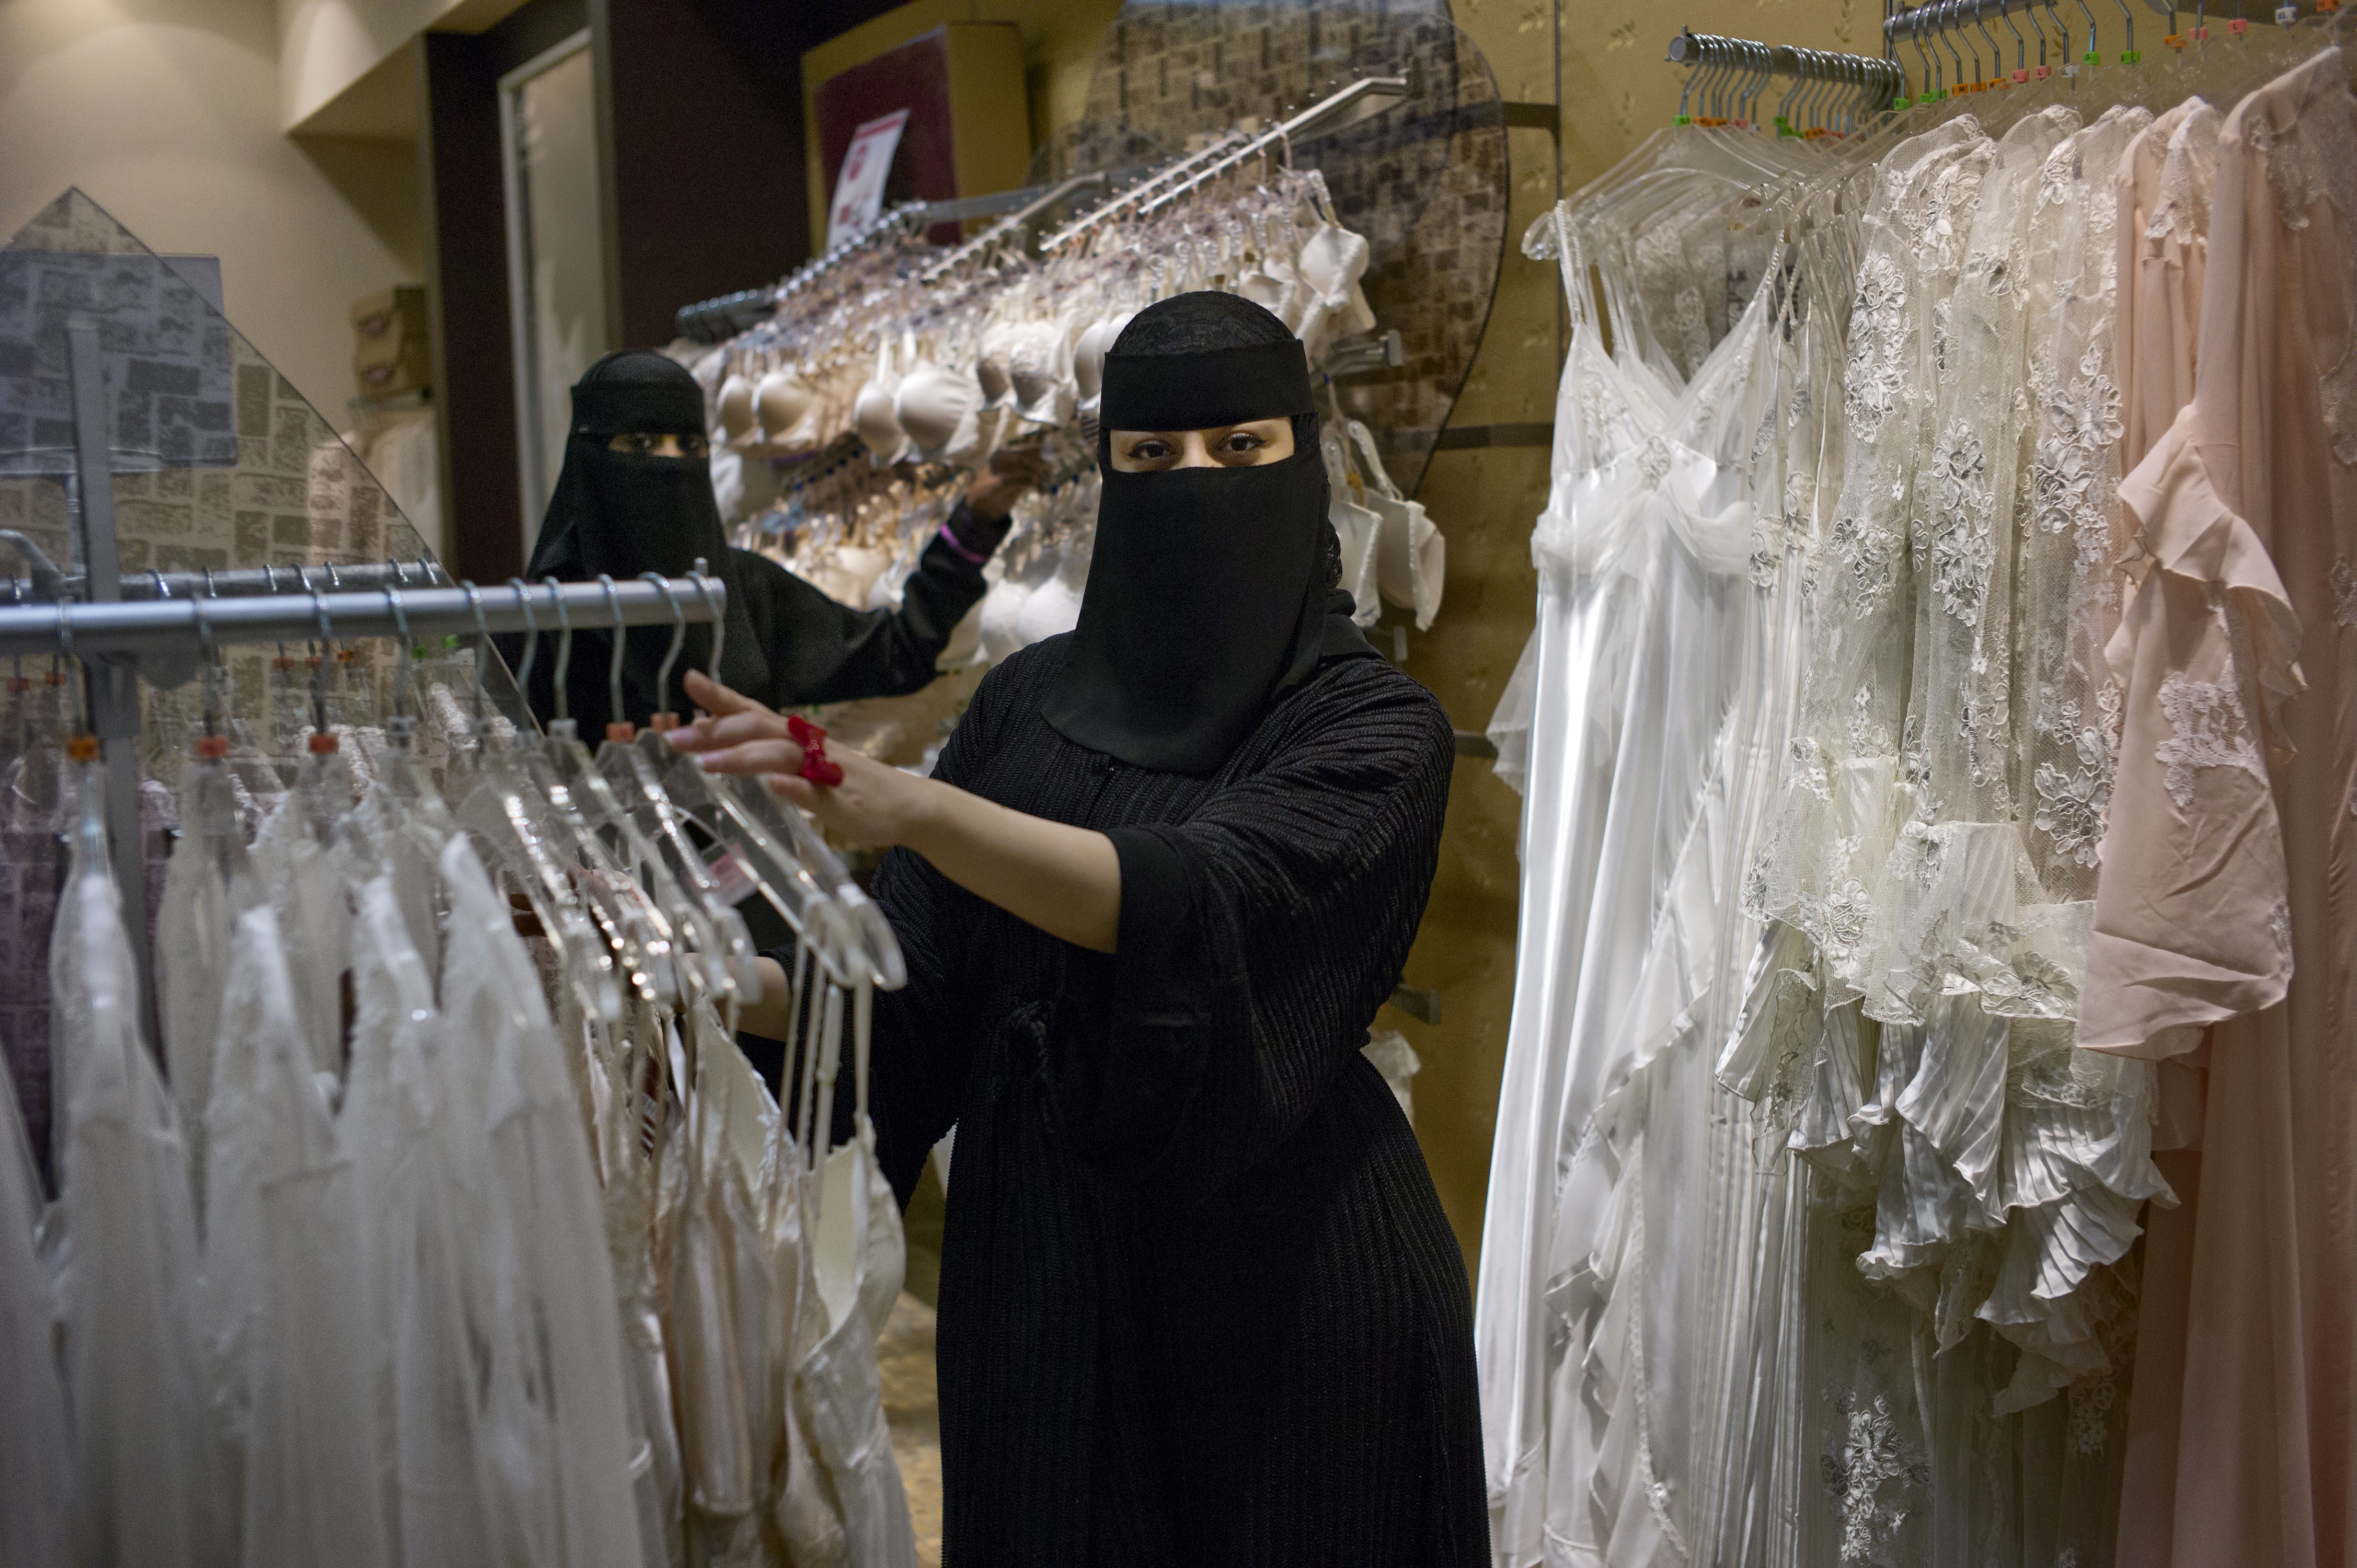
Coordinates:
[1938,20]
[715,320]
[170,633]
[1875,78]
[1368,95]
[1013,224]
[423,572]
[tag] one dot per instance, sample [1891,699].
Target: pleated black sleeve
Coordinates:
[823,651]
[1257,938]
[812,648]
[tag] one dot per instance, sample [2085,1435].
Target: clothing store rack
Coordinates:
[170,635]
[1877,79]
[1367,96]
[47,581]
[1014,223]
[715,321]
[120,641]
[1938,19]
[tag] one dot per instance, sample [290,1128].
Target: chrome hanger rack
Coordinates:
[715,321]
[1363,98]
[165,636]
[1875,79]
[1937,20]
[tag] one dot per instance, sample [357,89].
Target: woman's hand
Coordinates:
[1063,879]
[1009,475]
[875,806]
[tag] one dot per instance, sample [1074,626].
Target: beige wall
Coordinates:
[1059,44]
[329,47]
[166,113]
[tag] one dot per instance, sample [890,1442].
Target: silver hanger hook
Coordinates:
[482,647]
[720,614]
[678,637]
[531,636]
[400,651]
[65,650]
[719,611]
[564,640]
[326,653]
[208,654]
[614,667]
[2020,44]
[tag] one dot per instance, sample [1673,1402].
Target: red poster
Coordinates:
[914,77]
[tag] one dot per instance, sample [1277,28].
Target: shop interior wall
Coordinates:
[166,113]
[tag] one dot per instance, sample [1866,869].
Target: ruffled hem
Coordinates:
[2009,1168]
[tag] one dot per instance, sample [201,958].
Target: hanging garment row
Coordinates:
[840,424]
[454,1228]
[1924,1127]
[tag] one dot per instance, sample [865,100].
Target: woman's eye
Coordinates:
[1148,451]
[1244,441]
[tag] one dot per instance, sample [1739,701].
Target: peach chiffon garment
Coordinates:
[2224,927]
[2165,182]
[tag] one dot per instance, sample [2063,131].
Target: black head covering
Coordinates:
[1211,589]
[622,513]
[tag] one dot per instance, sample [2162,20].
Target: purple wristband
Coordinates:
[964,554]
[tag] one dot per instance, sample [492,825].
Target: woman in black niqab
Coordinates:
[622,508]
[1198,1303]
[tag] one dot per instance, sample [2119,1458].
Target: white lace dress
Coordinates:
[1912,1023]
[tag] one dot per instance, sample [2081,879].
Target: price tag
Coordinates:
[734,878]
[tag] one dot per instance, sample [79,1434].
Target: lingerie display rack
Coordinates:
[1133,189]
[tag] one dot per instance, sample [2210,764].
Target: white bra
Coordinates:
[873,412]
[1003,607]
[780,400]
[938,410]
[1054,607]
[737,409]
[1088,356]
[990,366]
[1040,367]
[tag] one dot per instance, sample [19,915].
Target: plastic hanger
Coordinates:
[648,790]
[716,940]
[495,802]
[757,845]
[634,927]
[323,782]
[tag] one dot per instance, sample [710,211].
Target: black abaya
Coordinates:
[1199,1301]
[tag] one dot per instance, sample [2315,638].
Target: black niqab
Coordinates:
[622,513]
[1210,590]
